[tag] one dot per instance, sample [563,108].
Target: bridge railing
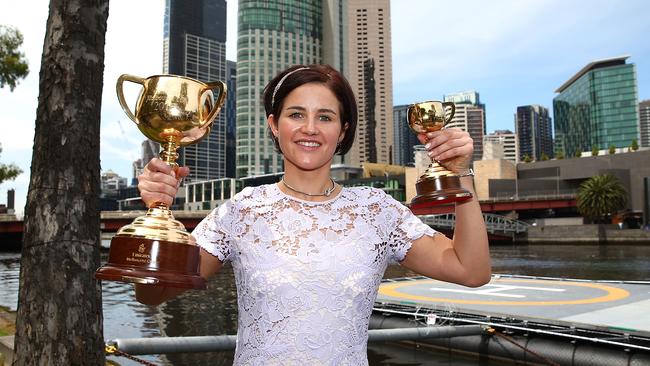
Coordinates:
[534,195]
[495,224]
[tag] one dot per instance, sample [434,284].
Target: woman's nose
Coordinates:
[310,127]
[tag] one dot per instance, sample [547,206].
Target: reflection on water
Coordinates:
[214,311]
[594,262]
[197,313]
[9,272]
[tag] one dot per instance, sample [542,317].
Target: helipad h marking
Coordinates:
[497,290]
[611,293]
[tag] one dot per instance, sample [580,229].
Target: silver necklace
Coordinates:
[327,192]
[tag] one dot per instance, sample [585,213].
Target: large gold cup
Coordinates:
[156,249]
[437,185]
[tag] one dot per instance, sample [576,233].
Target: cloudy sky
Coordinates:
[512,52]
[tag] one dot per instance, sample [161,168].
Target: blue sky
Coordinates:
[513,52]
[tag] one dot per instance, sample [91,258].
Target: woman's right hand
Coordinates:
[159,182]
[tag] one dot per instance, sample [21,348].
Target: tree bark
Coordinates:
[59,319]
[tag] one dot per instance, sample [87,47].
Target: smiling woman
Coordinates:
[308,254]
[312,115]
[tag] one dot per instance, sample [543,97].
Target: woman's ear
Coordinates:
[270,120]
[343,131]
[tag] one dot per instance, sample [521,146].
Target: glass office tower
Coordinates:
[404,139]
[644,123]
[534,132]
[272,36]
[194,45]
[597,107]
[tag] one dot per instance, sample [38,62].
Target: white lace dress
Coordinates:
[307,273]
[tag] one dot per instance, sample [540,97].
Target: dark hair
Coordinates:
[299,75]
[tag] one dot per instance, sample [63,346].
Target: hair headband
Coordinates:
[279,84]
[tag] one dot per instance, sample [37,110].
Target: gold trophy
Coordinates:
[156,249]
[437,186]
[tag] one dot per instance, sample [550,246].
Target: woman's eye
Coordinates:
[295,115]
[325,118]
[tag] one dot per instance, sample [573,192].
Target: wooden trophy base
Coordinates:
[434,191]
[153,262]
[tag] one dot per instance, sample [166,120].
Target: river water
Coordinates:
[214,312]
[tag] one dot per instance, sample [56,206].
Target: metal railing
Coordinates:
[495,224]
[165,345]
[533,195]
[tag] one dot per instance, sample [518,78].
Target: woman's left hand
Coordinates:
[451,147]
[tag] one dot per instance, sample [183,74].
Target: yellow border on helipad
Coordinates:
[613,293]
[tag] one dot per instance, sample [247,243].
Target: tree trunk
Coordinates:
[59,320]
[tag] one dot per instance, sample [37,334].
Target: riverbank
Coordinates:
[7,322]
[7,331]
[583,234]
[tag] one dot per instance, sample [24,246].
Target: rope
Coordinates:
[112,350]
[493,331]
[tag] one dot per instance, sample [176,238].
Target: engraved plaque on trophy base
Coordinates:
[439,191]
[152,262]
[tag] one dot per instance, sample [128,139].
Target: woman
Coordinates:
[308,255]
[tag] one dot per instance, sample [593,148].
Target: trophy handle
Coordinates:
[120,93]
[453,111]
[219,102]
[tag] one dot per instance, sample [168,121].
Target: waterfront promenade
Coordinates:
[588,234]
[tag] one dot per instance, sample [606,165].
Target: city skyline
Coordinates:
[498,49]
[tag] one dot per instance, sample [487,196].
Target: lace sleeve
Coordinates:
[212,233]
[407,227]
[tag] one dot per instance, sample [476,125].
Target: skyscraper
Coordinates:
[272,36]
[404,139]
[368,67]
[195,46]
[230,110]
[335,42]
[644,123]
[470,117]
[534,132]
[353,36]
[501,144]
[597,107]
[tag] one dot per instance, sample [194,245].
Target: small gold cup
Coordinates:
[156,249]
[437,186]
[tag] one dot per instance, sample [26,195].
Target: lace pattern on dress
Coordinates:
[307,273]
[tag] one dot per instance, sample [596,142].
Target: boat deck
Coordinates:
[610,306]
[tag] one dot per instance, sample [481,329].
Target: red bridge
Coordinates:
[507,205]
[11,229]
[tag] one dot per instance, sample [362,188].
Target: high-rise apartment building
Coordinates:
[404,139]
[353,36]
[195,46]
[272,36]
[230,111]
[501,144]
[598,107]
[335,30]
[470,117]
[534,132]
[368,67]
[644,123]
